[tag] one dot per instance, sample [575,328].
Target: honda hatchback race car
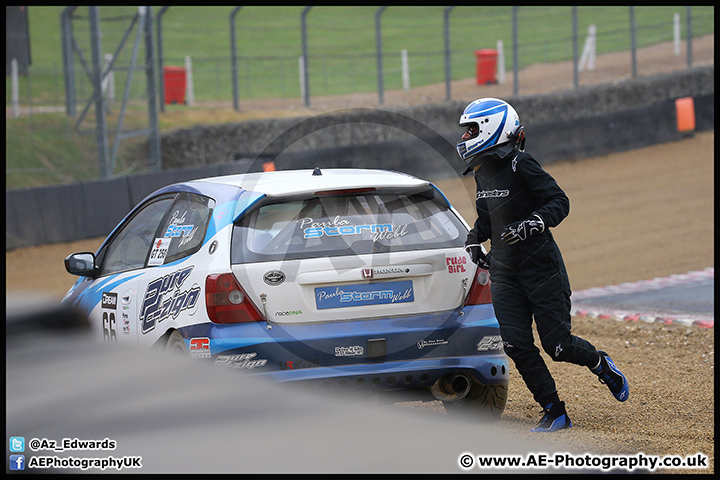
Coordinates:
[357,278]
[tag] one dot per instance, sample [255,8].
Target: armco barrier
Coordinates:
[571,125]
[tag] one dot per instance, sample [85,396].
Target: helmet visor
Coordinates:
[471,131]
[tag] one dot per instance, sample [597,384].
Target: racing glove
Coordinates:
[477,255]
[519,231]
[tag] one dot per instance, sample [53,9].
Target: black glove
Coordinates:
[518,231]
[477,255]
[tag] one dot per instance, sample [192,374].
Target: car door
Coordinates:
[169,292]
[121,261]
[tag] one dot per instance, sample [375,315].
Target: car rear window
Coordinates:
[345,225]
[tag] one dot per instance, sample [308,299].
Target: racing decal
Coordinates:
[338,226]
[490,342]
[431,343]
[492,194]
[108,305]
[364,294]
[240,361]
[274,277]
[298,364]
[159,251]
[163,298]
[109,300]
[287,313]
[126,323]
[199,347]
[351,351]
[178,229]
[456,264]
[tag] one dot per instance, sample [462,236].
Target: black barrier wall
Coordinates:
[578,124]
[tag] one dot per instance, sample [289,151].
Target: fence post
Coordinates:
[575,48]
[154,136]
[301,69]
[189,87]
[588,54]
[633,42]
[378,42]
[68,59]
[516,86]
[108,83]
[448,61]
[161,57]
[689,36]
[501,62]
[303,28]
[233,58]
[676,33]
[100,126]
[405,69]
[15,88]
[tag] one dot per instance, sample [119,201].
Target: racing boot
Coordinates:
[611,376]
[554,418]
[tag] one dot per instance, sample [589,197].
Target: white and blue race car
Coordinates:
[357,278]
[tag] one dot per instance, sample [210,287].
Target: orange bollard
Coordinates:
[685,112]
[269,167]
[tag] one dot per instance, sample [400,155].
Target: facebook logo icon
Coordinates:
[17,462]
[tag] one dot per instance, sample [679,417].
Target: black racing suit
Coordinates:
[528,278]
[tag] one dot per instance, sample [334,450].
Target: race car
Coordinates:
[349,277]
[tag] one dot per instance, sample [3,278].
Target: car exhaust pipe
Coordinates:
[451,387]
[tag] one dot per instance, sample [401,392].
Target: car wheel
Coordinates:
[483,402]
[176,344]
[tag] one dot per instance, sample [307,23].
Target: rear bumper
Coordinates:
[397,352]
[488,369]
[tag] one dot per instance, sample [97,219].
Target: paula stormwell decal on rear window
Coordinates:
[339,226]
[164,298]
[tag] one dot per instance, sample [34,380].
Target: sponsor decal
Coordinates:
[199,347]
[298,364]
[108,307]
[492,194]
[431,343]
[456,264]
[159,251]
[351,351]
[338,226]
[364,294]
[490,342]
[126,324]
[240,361]
[274,277]
[164,298]
[288,313]
[178,229]
[109,300]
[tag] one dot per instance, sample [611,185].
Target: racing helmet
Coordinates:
[489,123]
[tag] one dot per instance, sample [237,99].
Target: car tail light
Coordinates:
[480,289]
[227,302]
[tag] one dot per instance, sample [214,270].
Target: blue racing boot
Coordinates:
[554,418]
[611,376]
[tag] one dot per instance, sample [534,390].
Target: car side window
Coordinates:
[183,228]
[129,248]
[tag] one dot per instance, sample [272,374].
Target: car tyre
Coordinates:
[483,402]
[176,344]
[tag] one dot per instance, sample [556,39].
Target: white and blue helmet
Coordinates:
[489,122]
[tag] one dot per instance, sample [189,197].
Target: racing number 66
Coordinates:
[109,332]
